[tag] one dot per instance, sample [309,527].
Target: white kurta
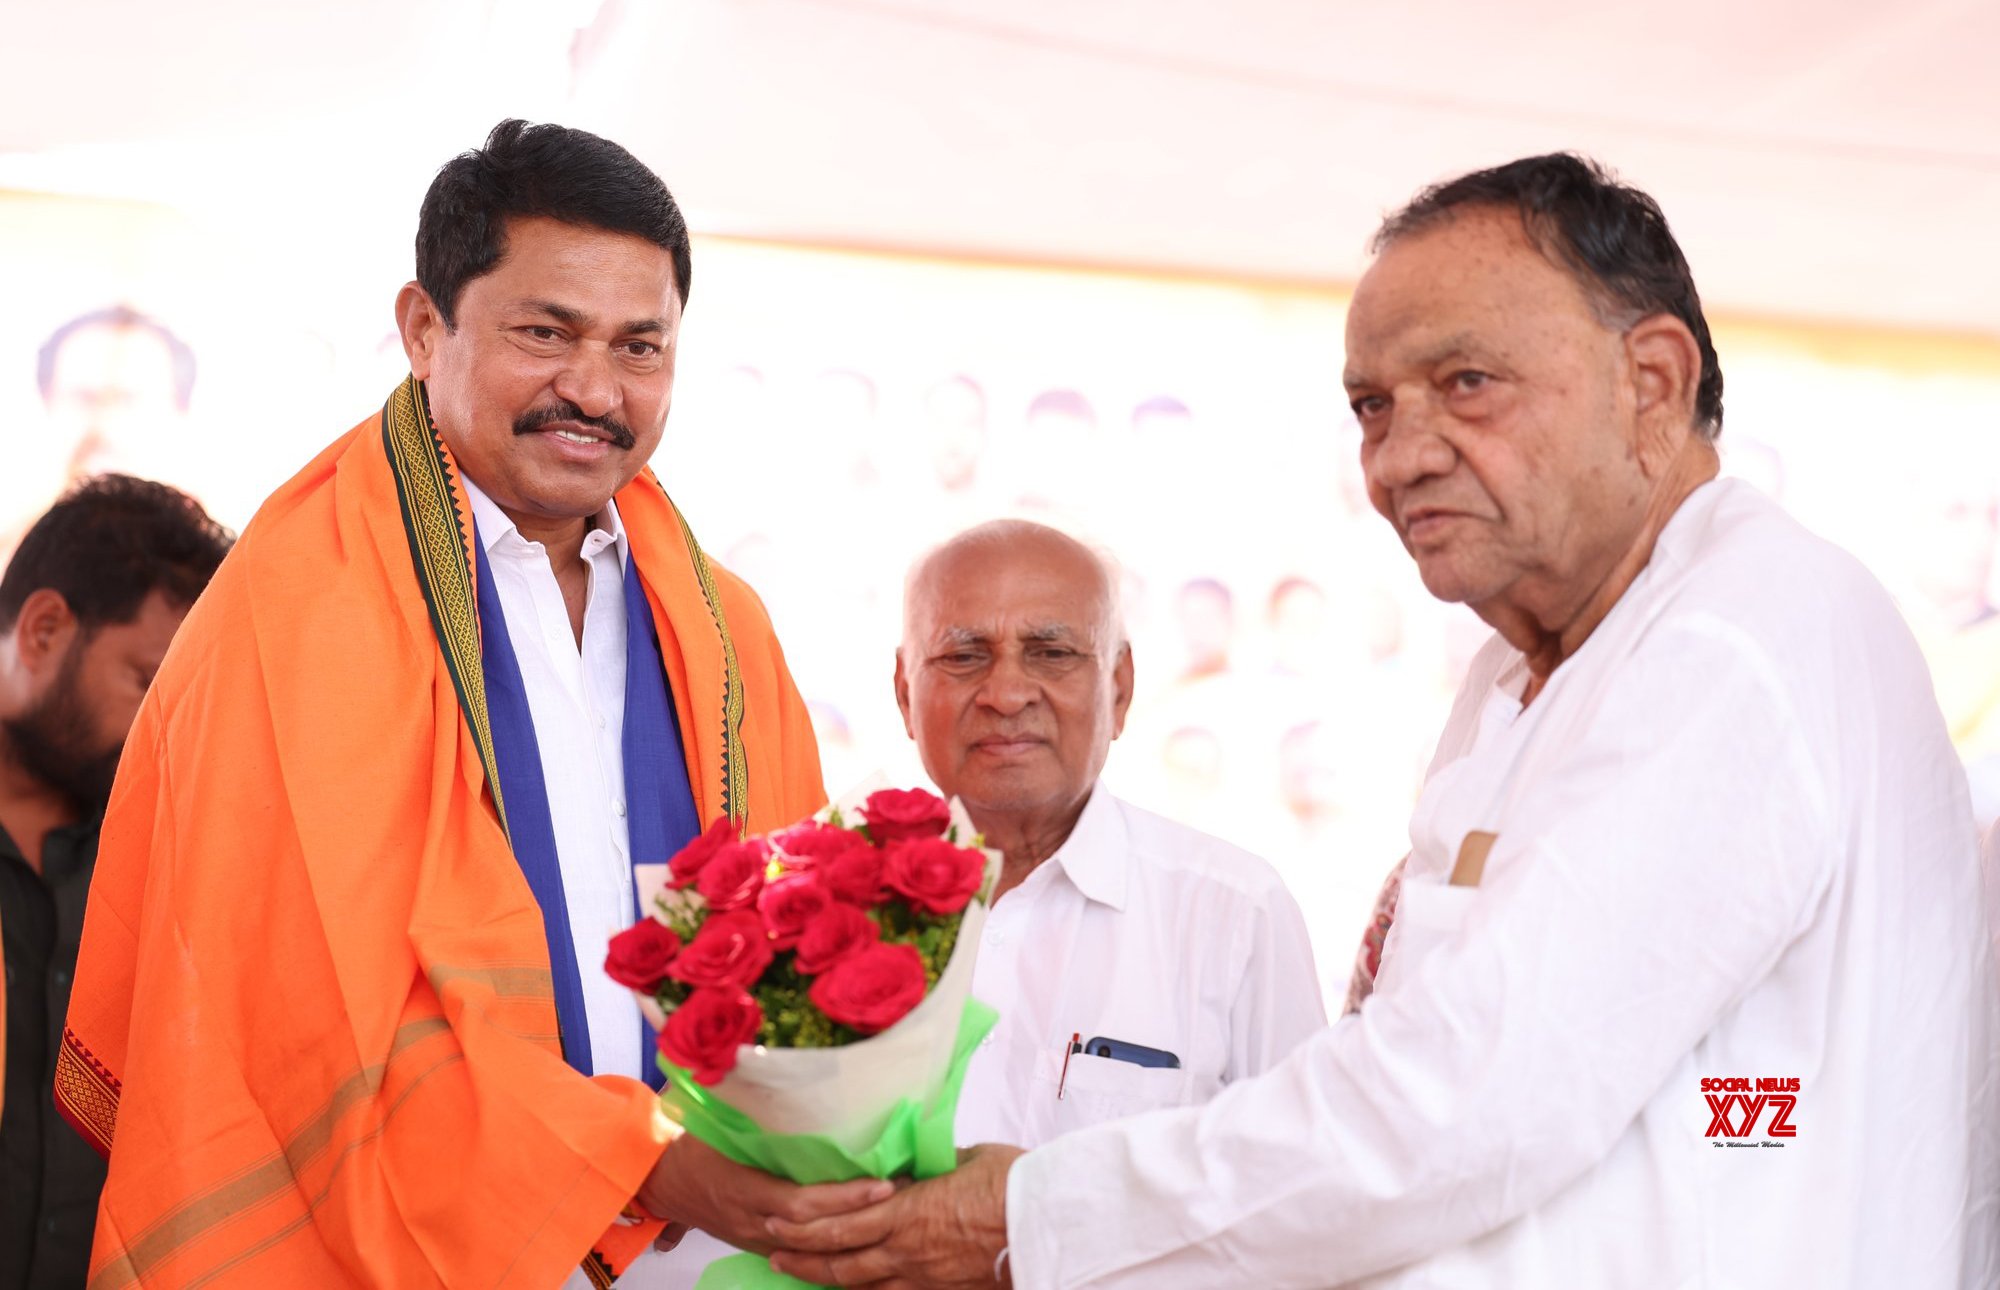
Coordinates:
[1141,930]
[1733,843]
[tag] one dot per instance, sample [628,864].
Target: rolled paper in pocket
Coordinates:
[1471,864]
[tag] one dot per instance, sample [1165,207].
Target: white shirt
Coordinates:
[1141,930]
[576,695]
[577,699]
[1733,842]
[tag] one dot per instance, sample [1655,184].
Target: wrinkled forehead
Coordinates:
[1475,270]
[1024,591]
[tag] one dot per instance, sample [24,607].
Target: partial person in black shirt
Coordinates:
[88,606]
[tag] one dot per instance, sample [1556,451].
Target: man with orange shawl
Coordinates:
[340,1016]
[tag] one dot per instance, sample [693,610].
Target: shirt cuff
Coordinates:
[1031,1246]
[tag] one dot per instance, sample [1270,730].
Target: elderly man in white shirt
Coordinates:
[1688,984]
[1135,963]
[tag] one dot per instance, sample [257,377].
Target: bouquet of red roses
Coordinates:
[811,989]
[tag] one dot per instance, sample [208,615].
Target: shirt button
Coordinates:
[995,937]
[987,1042]
[600,721]
[618,806]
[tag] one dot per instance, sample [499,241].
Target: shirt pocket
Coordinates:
[1427,915]
[1098,1090]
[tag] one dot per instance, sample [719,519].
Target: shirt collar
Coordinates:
[1095,856]
[606,529]
[62,849]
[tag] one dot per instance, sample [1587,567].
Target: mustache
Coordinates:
[616,431]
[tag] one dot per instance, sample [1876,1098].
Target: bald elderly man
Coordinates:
[1177,961]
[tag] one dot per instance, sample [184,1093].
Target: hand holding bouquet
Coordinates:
[811,988]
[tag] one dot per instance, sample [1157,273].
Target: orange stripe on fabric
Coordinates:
[511,982]
[312,1207]
[261,1181]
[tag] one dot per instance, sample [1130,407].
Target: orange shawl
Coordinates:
[312,1024]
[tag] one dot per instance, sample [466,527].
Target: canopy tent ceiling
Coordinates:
[1831,161]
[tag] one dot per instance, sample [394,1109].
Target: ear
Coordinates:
[44,631]
[1121,689]
[903,696]
[420,324]
[1665,366]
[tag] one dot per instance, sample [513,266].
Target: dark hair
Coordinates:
[118,316]
[1610,236]
[108,543]
[548,170]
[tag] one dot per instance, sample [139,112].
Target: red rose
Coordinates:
[734,875]
[789,904]
[640,954]
[854,876]
[933,875]
[808,846]
[871,990]
[730,949]
[894,814]
[840,932]
[688,862]
[704,1033]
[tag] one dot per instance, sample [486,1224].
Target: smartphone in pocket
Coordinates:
[1119,1050]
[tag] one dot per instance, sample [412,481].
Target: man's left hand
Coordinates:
[943,1234]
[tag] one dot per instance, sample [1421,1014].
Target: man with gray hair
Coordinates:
[1688,983]
[1135,962]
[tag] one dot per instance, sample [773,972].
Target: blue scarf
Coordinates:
[660,814]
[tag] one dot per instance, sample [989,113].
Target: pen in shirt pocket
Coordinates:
[1075,1041]
[1067,1051]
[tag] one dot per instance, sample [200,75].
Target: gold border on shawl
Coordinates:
[597,1270]
[86,1092]
[735,770]
[435,525]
